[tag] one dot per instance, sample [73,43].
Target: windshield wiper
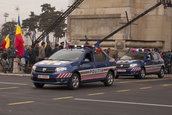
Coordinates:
[64,60]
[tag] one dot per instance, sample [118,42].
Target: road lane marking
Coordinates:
[10,83]
[62,98]
[145,88]
[121,91]
[8,88]
[94,94]
[166,85]
[123,102]
[137,81]
[19,103]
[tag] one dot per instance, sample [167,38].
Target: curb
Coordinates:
[14,74]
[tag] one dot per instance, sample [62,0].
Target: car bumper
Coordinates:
[128,71]
[56,79]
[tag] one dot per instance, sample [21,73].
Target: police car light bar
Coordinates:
[138,50]
[80,46]
[141,50]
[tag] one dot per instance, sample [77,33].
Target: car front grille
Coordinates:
[123,65]
[45,69]
[44,80]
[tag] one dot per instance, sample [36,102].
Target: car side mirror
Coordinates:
[46,58]
[148,58]
[86,60]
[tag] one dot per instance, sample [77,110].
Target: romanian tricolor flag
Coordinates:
[6,43]
[19,42]
[98,49]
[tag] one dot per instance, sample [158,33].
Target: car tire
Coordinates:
[109,79]
[161,73]
[39,85]
[74,81]
[142,74]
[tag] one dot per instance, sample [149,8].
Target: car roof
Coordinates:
[78,49]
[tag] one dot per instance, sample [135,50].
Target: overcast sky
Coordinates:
[26,6]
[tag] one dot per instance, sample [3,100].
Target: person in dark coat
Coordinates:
[56,48]
[48,50]
[11,55]
[32,56]
[36,51]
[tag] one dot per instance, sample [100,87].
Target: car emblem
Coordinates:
[44,69]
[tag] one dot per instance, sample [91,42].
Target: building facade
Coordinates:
[98,18]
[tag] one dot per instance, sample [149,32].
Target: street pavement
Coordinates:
[128,96]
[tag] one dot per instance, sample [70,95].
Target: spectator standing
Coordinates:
[4,61]
[48,50]
[61,45]
[36,51]
[32,56]
[56,48]
[41,51]
[26,56]
[11,52]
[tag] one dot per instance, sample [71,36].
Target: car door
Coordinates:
[156,63]
[86,67]
[149,63]
[101,64]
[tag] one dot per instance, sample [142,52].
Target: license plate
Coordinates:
[43,76]
[123,70]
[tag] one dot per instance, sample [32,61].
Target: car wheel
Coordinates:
[109,79]
[141,75]
[74,81]
[161,73]
[39,85]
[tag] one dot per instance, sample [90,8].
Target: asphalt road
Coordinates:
[128,96]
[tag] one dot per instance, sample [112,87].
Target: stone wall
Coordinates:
[98,18]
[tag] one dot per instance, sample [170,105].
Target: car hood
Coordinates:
[52,63]
[128,61]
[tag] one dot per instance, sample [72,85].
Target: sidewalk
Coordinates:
[14,74]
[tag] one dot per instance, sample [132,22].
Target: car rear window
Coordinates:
[133,56]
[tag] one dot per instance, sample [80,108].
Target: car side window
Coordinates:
[89,56]
[155,56]
[99,57]
[149,56]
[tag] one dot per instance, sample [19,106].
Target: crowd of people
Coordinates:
[32,54]
[167,57]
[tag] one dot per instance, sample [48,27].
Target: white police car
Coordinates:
[139,63]
[74,66]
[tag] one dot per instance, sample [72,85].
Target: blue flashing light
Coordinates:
[80,46]
[75,46]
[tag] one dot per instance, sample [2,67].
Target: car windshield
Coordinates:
[66,55]
[133,56]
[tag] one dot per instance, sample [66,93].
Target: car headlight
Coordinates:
[34,68]
[133,65]
[58,69]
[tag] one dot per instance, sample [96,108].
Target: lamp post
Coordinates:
[6,15]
